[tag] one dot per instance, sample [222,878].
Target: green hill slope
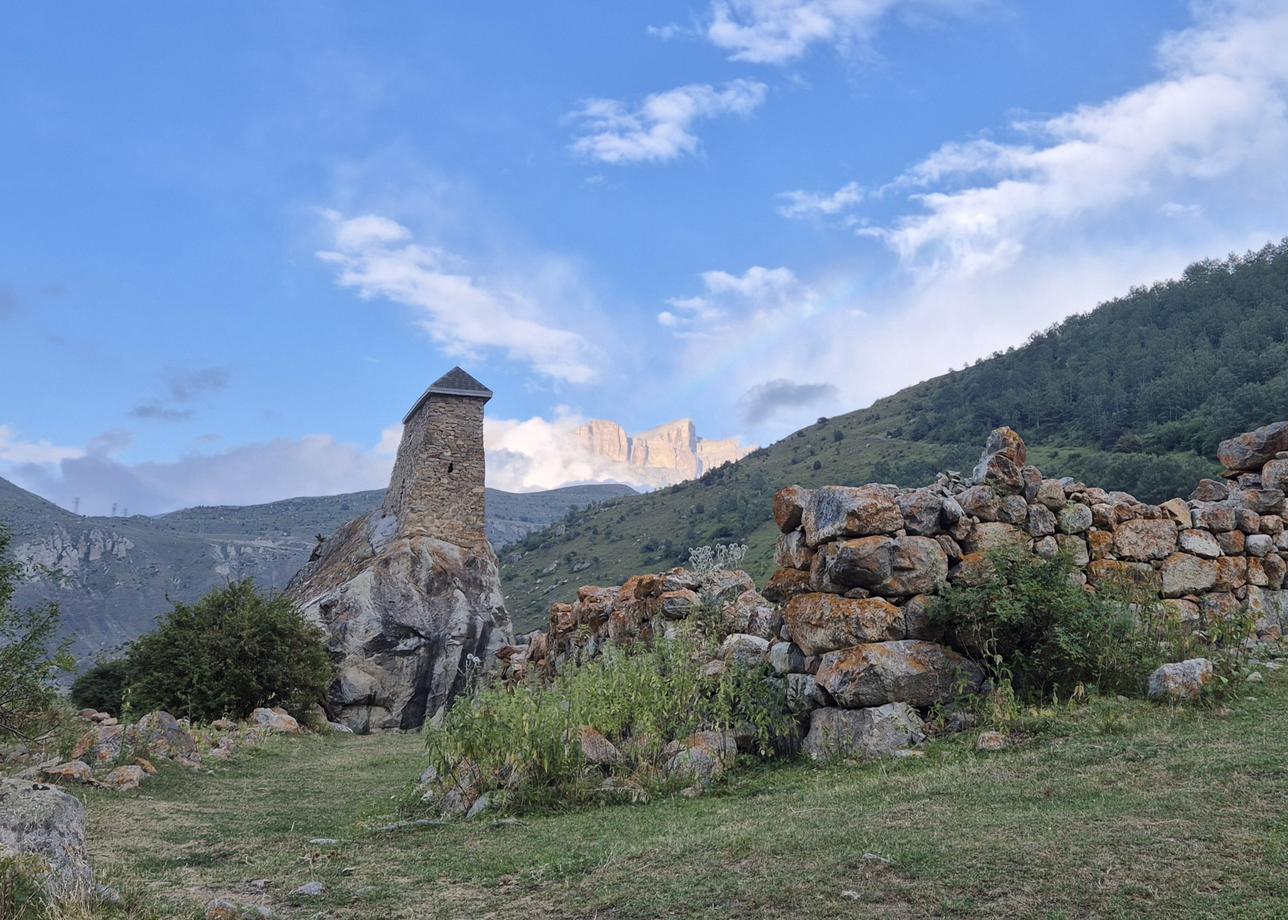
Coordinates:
[1133,395]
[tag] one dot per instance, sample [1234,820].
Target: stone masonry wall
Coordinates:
[844,619]
[437,487]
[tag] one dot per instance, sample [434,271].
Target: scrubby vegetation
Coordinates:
[1041,634]
[29,661]
[524,742]
[230,652]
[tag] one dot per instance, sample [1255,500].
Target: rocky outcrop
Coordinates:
[48,825]
[410,594]
[663,455]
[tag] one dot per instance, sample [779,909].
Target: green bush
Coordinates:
[29,660]
[1031,624]
[232,651]
[102,686]
[524,740]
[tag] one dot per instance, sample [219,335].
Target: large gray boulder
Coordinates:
[819,622]
[411,619]
[878,731]
[845,511]
[908,671]
[48,825]
[1180,680]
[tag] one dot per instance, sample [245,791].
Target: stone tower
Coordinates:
[437,484]
[410,594]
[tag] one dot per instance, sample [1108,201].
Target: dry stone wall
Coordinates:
[844,621]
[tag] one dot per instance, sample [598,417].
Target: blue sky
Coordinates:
[238,241]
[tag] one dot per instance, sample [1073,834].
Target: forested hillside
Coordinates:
[1134,395]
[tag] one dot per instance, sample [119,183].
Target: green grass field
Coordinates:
[1112,810]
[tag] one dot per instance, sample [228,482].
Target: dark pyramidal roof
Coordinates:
[455,382]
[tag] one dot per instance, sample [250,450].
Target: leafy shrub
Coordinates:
[232,651]
[27,663]
[102,686]
[524,740]
[1030,623]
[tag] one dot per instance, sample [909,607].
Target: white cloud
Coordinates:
[1217,108]
[780,31]
[661,127]
[799,204]
[731,304]
[463,313]
[15,450]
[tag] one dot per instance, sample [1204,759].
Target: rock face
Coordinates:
[410,594]
[875,732]
[1180,680]
[663,455]
[47,824]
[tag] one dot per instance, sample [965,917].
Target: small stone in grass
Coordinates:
[323,841]
[310,890]
[990,741]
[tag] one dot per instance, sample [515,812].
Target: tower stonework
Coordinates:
[410,594]
[437,486]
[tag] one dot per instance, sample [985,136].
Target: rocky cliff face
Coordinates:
[411,617]
[665,455]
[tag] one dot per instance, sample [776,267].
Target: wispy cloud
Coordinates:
[661,127]
[1218,107]
[183,386]
[781,31]
[731,304]
[801,204]
[463,312]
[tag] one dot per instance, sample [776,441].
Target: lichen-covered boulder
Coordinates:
[1184,574]
[909,671]
[1200,543]
[276,720]
[101,744]
[681,604]
[820,623]
[1144,540]
[872,732]
[752,613]
[789,506]
[922,510]
[744,650]
[844,511]
[785,584]
[48,825]
[159,734]
[702,757]
[792,552]
[890,566]
[1253,450]
[1180,680]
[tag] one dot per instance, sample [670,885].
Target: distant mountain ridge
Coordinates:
[113,575]
[664,455]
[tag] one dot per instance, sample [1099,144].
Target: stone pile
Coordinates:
[644,607]
[121,757]
[844,621]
